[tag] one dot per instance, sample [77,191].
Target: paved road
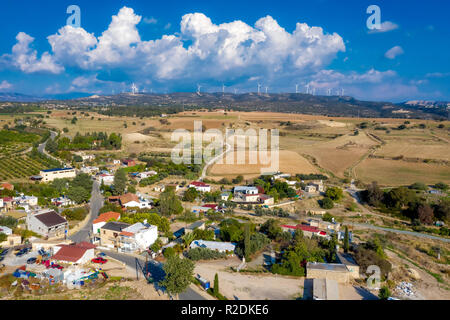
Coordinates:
[95,204]
[155,269]
[41,147]
[210,162]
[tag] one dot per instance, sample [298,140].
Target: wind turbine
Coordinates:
[198,89]
[307,88]
[296,88]
[266,89]
[223,89]
[342,91]
[259,87]
[235,91]
[314,91]
[329,92]
[134,89]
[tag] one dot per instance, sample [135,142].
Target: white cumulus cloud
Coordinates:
[5,85]
[385,26]
[394,52]
[201,51]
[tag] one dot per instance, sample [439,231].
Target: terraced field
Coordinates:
[24,166]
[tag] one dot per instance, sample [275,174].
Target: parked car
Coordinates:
[31,261]
[56,266]
[4,252]
[99,260]
[102,254]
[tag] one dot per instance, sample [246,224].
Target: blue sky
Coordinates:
[172,45]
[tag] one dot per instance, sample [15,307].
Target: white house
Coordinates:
[139,236]
[1,202]
[101,220]
[57,173]
[89,170]
[130,200]
[79,253]
[146,174]
[106,178]
[200,186]
[213,245]
[26,200]
[246,194]
[5,230]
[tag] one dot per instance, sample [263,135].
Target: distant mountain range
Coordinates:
[19,97]
[277,102]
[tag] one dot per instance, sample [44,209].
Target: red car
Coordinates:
[56,266]
[99,260]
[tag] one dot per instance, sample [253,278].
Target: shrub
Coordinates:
[205,254]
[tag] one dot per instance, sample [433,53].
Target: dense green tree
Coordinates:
[384,293]
[169,204]
[327,203]
[346,240]
[178,275]
[272,228]
[216,285]
[120,181]
[78,194]
[190,195]
[334,193]
[247,249]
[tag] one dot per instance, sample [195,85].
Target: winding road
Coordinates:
[210,162]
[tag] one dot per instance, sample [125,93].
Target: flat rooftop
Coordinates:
[337,267]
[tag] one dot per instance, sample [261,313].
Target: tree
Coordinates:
[179,274]
[425,214]
[334,193]
[190,195]
[120,181]
[419,186]
[373,195]
[327,217]
[216,285]
[169,203]
[346,240]
[169,252]
[247,248]
[78,194]
[3,237]
[384,293]
[271,228]
[327,203]
[441,186]
[74,120]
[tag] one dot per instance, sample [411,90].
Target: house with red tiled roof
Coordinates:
[79,253]
[102,219]
[308,231]
[7,186]
[200,186]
